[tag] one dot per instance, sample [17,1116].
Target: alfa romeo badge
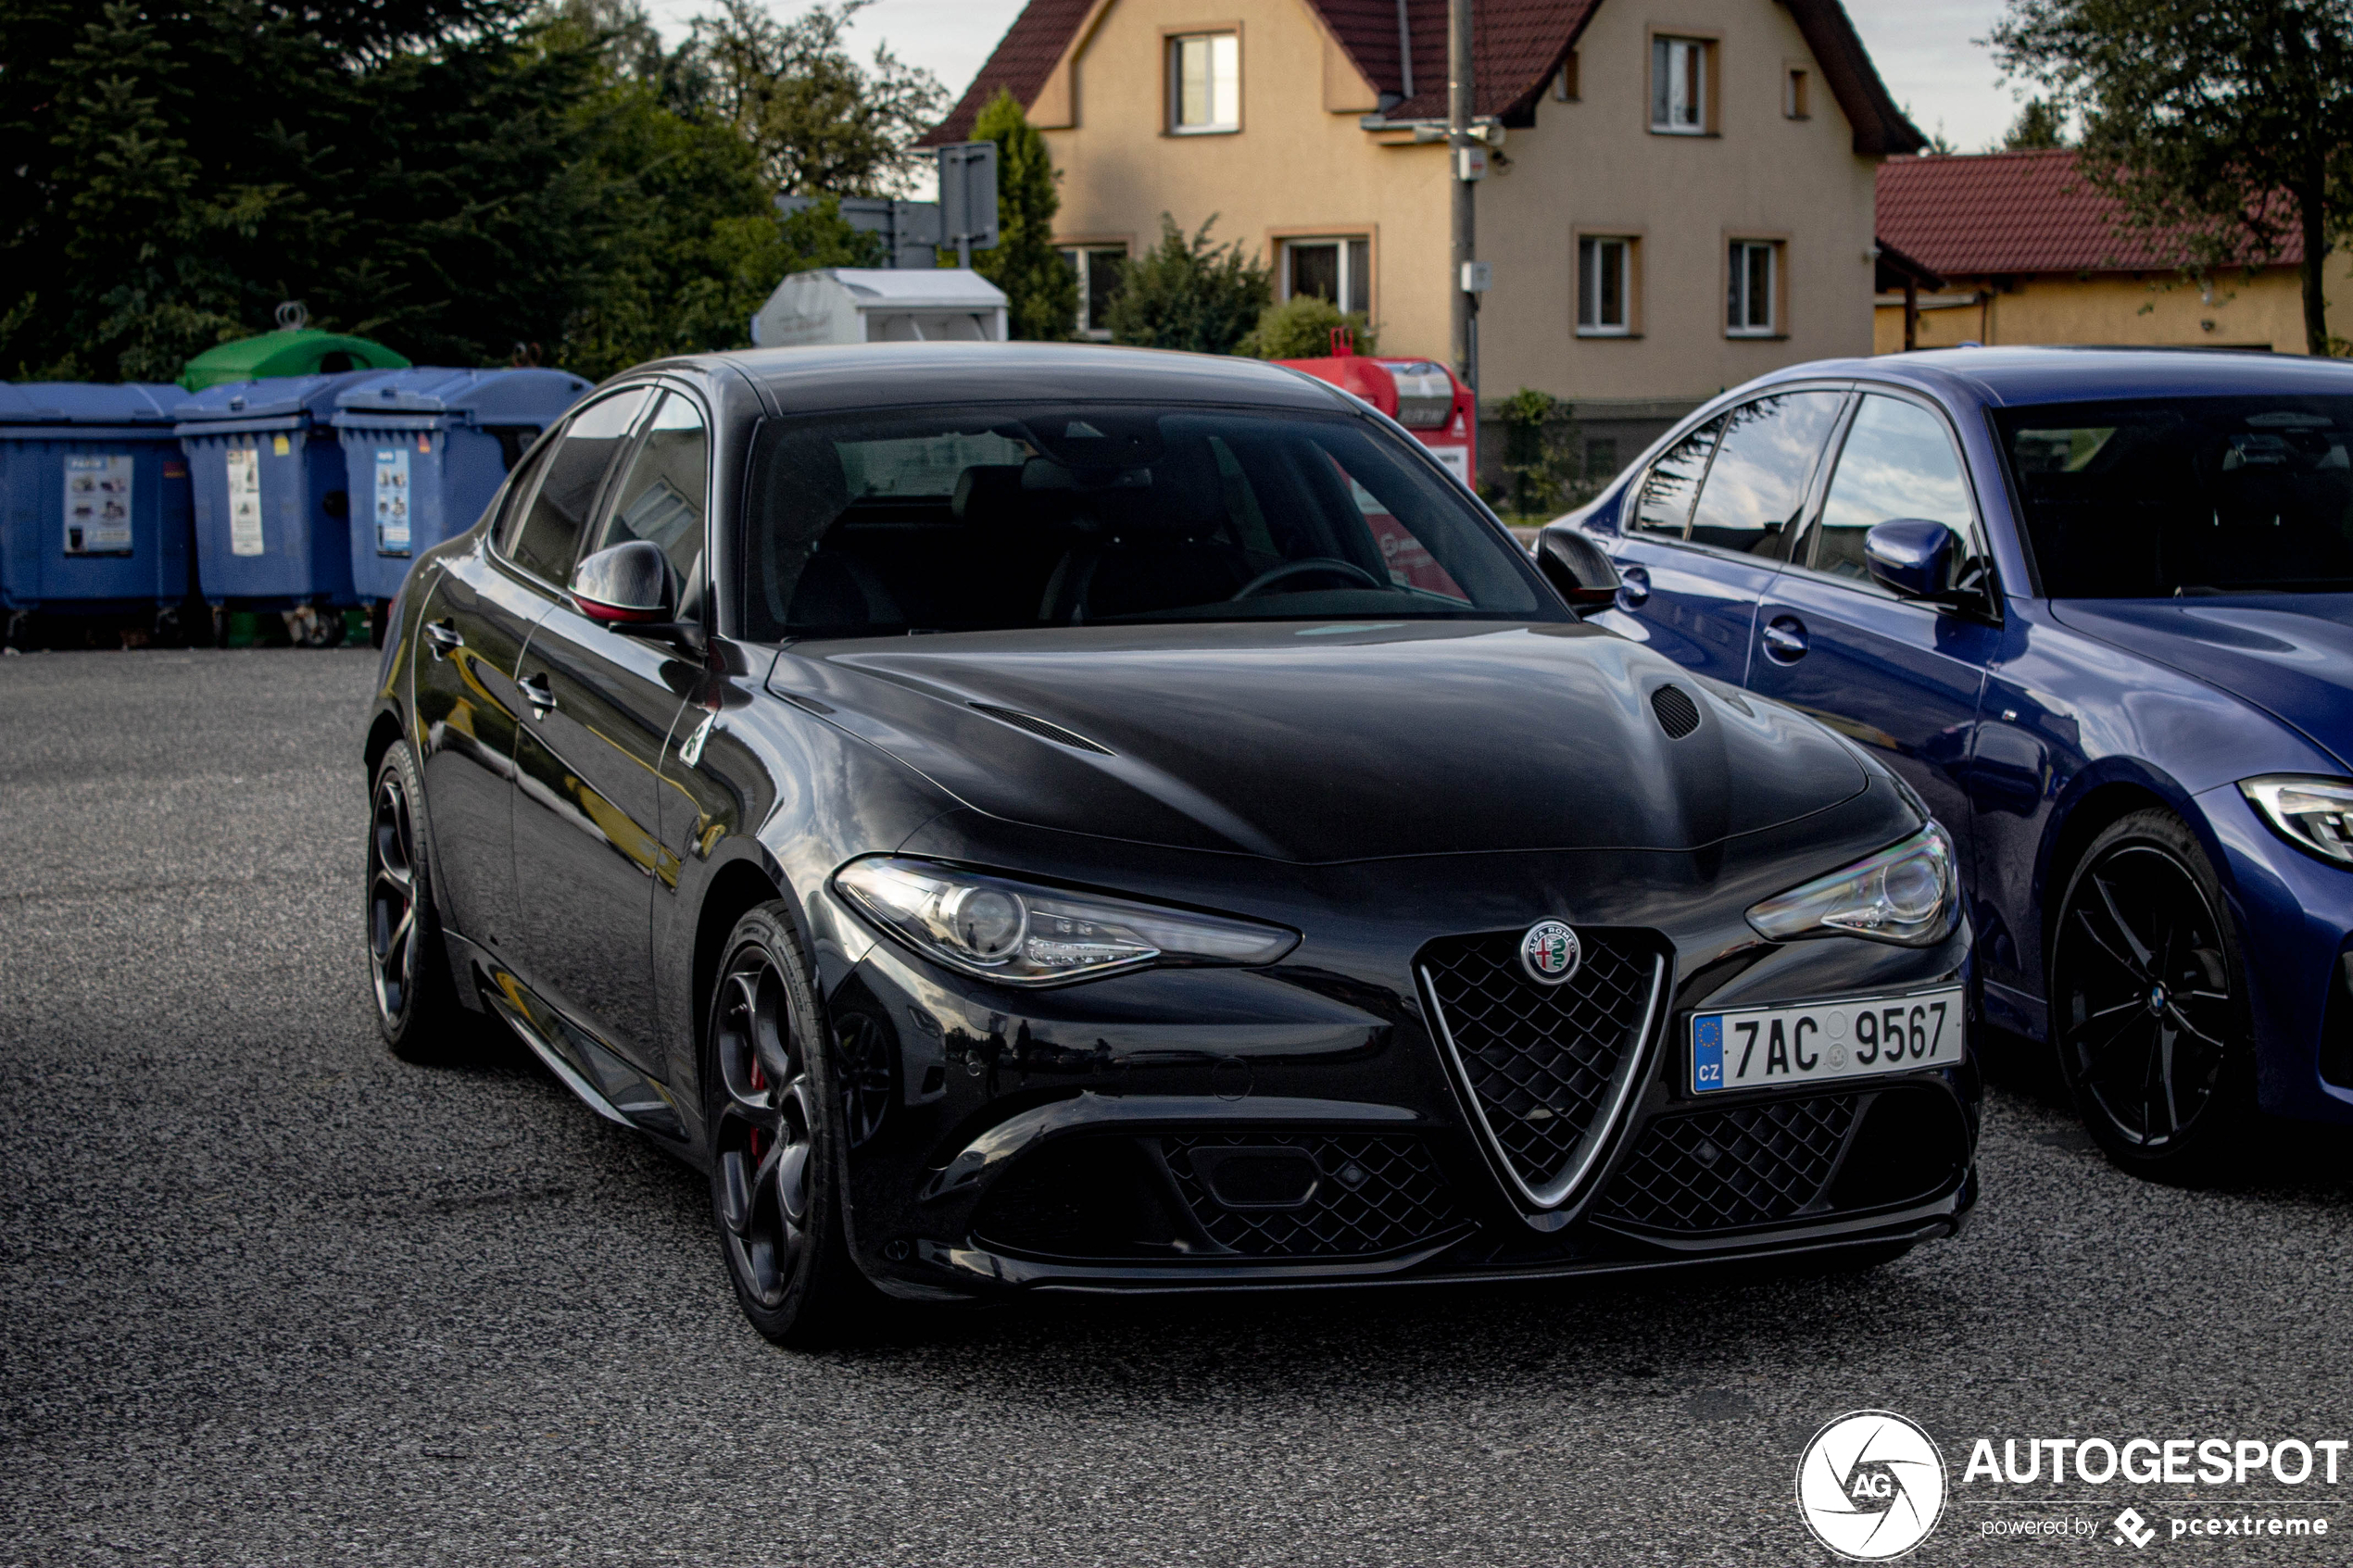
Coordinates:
[1548,952]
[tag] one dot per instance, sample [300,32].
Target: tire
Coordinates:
[776,1130]
[416,997]
[2148,1002]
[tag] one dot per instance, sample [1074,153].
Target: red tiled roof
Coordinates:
[2016,212]
[1518,46]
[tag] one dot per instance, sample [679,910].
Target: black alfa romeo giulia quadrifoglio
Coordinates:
[1091,818]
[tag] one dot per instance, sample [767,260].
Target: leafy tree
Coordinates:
[1039,285]
[1300,328]
[819,121]
[2038,127]
[2220,130]
[1186,293]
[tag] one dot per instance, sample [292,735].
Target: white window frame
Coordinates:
[1084,254]
[1678,85]
[1740,296]
[1589,304]
[1351,286]
[1220,55]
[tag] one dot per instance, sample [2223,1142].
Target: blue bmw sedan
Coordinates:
[2096,605]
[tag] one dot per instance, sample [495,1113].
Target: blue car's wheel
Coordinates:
[2148,1000]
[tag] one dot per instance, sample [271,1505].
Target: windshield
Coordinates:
[2187,495]
[899,520]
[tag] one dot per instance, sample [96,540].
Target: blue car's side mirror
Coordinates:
[1913,558]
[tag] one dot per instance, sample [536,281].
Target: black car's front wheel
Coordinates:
[776,1138]
[2148,1000]
[416,1006]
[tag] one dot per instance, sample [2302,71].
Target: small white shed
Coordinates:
[878,305]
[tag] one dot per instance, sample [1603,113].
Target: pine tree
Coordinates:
[1041,289]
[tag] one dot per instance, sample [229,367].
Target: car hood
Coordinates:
[2290,654]
[1320,743]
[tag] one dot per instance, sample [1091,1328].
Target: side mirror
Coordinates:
[1576,568]
[625,585]
[1912,558]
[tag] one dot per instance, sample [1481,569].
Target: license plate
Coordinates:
[1852,1037]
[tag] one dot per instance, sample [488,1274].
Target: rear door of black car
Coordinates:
[588,852]
[476,616]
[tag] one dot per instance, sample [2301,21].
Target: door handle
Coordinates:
[1633,587]
[444,638]
[1786,639]
[536,692]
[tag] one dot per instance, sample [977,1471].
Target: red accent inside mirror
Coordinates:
[615,614]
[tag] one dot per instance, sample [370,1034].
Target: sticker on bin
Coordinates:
[392,501]
[245,501]
[99,505]
[1849,1038]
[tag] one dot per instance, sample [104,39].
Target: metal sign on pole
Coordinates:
[968,198]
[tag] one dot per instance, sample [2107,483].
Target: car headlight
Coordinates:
[2309,813]
[1017,933]
[1905,894]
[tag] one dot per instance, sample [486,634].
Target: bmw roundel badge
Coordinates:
[1548,952]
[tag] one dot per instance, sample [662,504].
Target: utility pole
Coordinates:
[1461,150]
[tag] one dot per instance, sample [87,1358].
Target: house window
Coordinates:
[1678,86]
[1099,270]
[1752,299]
[1605,287]
[1339,269]
[1205,82]
[1793,86]
[1564,84]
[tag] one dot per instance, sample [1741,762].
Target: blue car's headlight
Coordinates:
[2309,813]
[1905,894]
[1018,934]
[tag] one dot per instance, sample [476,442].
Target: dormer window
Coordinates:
[1204,82]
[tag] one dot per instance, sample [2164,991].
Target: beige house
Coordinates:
[2017,248]
[1678,194]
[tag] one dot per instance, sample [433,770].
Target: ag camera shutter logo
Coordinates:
[1870,1485]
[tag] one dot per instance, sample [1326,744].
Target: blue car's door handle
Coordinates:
[1633,587]
[1786,639]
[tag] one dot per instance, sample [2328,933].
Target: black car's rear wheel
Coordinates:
[416,1004]
[2148,1000]
[776,1131]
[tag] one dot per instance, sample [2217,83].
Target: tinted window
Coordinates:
[1897,461]
[957,520]
[663,496]
[1665,505]
[2188,496]
[547,541]
[1757,481]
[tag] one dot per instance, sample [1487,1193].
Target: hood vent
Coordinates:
[1678,714]
[1055,732]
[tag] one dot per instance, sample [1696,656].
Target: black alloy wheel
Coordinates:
[2148,1006]
[776,1138]
[416,1006]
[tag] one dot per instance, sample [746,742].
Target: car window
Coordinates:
[664,493]
[1665,505]
[2187,495]
[1897,461]
[545,540]
[1756,484]
[956,519]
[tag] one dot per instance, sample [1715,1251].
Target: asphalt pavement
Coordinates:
[267,1296]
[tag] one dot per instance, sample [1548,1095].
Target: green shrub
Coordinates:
[1300,328]
[1185,293]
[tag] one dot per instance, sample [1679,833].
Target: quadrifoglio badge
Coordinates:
[1872,1485]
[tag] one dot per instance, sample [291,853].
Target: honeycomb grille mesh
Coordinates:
[1747,1165]
[1376,1195]
[1541,1058]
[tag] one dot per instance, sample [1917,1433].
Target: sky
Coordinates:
[1924,50]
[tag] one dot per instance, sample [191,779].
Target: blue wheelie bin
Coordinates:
[93,503]
[272,507]
[426,448]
